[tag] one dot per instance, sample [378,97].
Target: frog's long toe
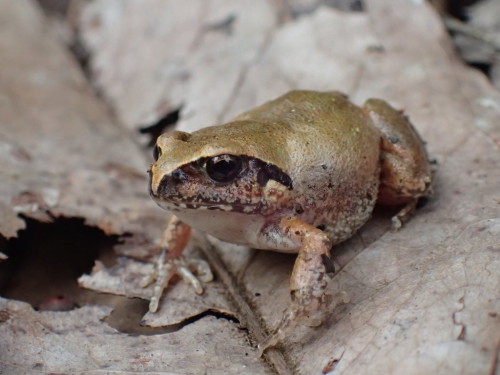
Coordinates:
[297,314]
[271,341]
[166,269]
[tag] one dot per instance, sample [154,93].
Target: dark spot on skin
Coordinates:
[324,166]
[329,266]
[330,185]
[321,227]
[297,232]
[298,209]
[393,139]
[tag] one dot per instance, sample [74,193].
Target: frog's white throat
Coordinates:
[236,227]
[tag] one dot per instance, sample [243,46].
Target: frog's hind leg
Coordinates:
[171,262]
[405,170]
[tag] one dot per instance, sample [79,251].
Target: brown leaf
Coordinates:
[422,300]
[63,155]
[407,289]
[78,341]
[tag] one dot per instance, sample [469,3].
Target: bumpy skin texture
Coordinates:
[304,161]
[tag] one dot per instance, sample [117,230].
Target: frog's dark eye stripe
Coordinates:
[156,152]
[271,172]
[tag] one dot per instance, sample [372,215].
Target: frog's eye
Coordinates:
[223,168]
[156,152]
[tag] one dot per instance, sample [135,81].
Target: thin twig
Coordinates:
[272,355]
[460,27]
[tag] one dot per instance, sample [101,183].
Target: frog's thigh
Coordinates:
[393,191]
[405,172]
[396,181]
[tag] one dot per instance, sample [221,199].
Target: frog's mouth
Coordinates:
[174,205]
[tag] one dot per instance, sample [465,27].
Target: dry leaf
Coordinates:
[63,155]
[422,300]
[79,342]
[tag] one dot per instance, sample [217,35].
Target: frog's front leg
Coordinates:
[308,283]
[171,262]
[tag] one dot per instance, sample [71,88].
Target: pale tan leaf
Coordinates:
[63,155]
[422,300]
[410,292]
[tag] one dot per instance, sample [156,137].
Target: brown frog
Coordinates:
[298,174]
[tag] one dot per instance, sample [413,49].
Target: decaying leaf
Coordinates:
[64,156]
[78,341]
[421,300]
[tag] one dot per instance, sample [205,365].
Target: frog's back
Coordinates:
[331,151]
[301,109]
[317,129]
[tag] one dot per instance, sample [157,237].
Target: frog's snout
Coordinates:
[167,186]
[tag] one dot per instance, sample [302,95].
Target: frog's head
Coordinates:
[213,170]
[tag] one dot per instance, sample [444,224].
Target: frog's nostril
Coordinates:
[178,176]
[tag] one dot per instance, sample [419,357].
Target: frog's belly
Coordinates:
[238,228]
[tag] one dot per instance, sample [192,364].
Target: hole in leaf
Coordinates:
[46,259]
[156,129]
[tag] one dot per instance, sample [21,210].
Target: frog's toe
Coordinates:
[201,269]
[165,269]
[188,277]
[297,313]
[279,334]
[403,215]
[270,342]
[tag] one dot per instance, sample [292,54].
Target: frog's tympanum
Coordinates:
[298,174]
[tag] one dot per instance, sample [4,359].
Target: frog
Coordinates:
[298,174]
